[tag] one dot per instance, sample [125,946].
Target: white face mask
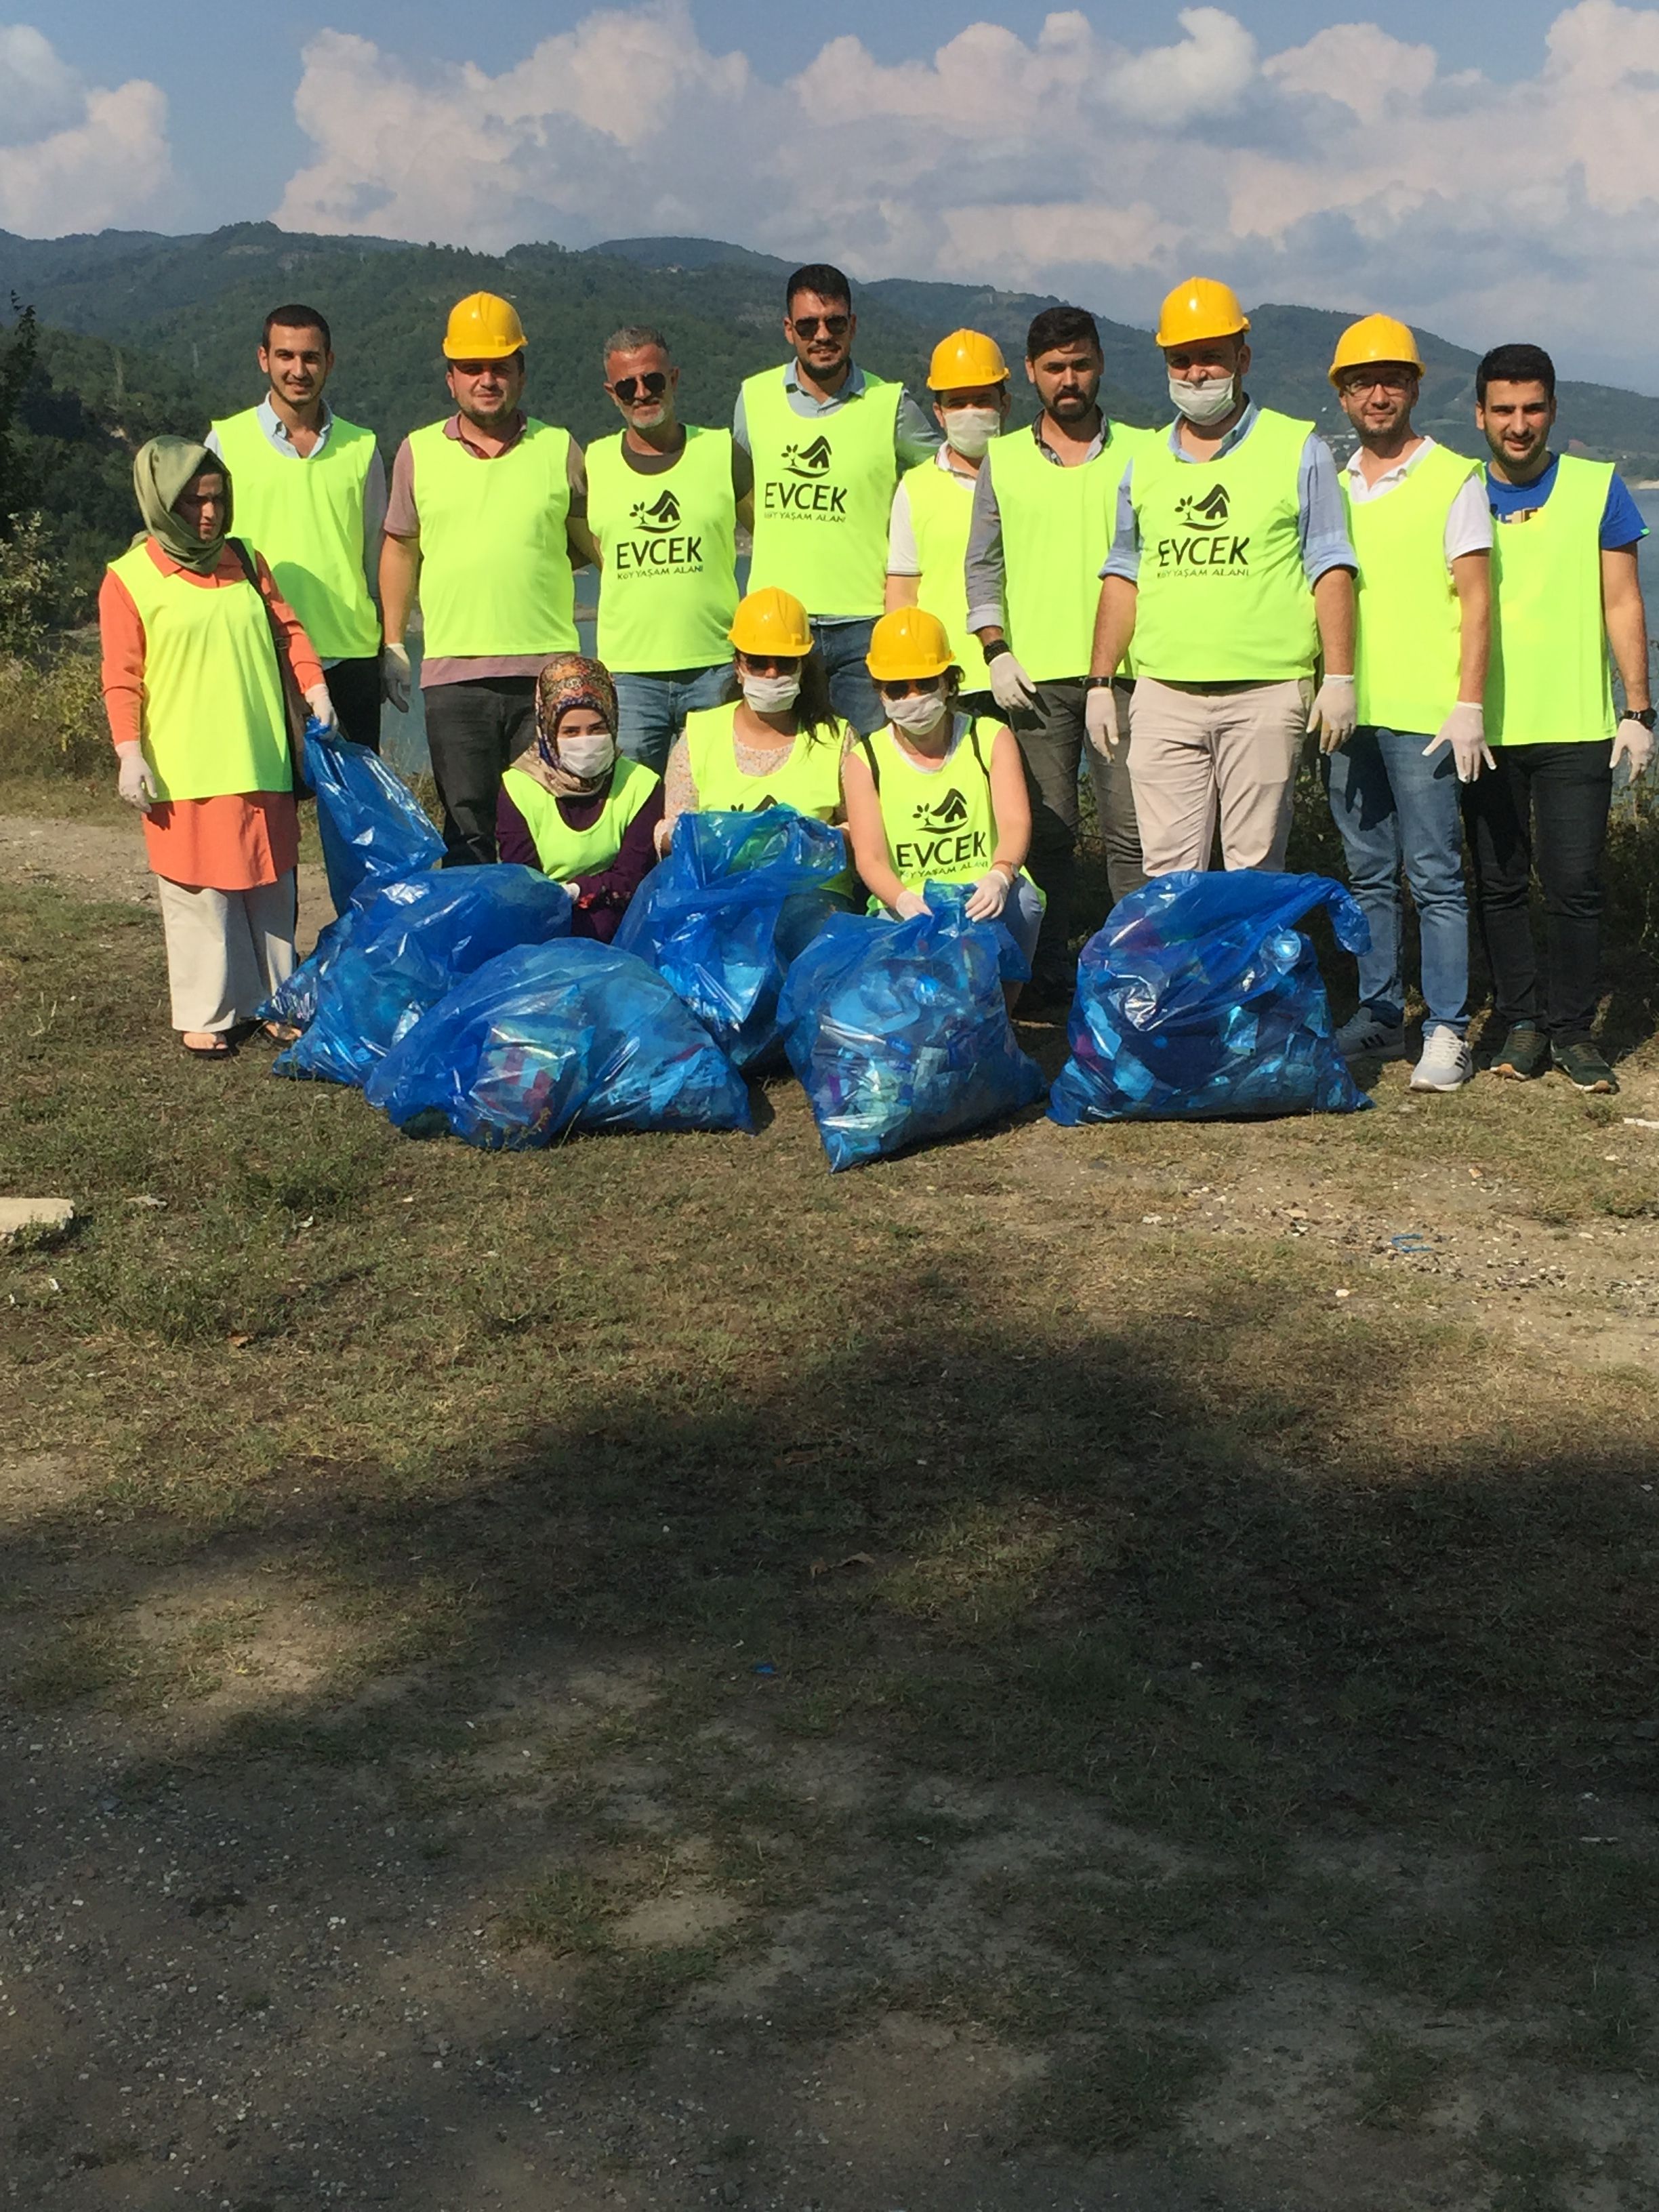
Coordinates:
[918,712]
[1205,402]
[771,694]
[970,430]
[587,757]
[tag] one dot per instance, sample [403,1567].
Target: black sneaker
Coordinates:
[1584,1067]
[1524,1053]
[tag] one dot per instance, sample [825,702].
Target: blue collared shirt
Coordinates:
[1322,525]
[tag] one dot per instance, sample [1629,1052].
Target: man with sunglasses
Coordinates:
[664,501]
[1041,526]
[487,516]
[829,444]
[1417,517]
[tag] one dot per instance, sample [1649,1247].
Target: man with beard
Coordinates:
[310,495]
[1565,588]
[1418,516]
[488,517]
[664,504]
[1043,509]
[829,443]
[1232,571]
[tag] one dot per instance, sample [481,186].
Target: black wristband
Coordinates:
[1098,682]
[1646,715]
[997,645]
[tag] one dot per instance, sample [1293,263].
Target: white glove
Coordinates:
[1334,713]
[137,781]
[1101,722]
[322,709]
[396,677]
[1631,742]
[1465,730]
[989,896]
[1010,687]
[909,904]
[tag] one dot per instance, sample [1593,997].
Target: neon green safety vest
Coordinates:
[669,587]
[824,495]
[940,822]
[1409,628]
[1550,682]
[1222,595]
[305,513]
[809,778]
[1057,526]
[564,851]
[941,502]
[215,722]
[495,566]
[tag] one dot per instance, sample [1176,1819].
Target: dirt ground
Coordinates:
[270,1944]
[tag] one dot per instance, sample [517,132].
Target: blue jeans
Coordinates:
[853,692]
[1394,810]
[651,710]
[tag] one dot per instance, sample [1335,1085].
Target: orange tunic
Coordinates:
[227,844]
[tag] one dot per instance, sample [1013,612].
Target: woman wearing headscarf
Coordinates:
[197,647]
[573,806]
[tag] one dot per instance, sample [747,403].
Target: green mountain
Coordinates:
[146,331]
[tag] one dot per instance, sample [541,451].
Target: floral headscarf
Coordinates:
[569,679]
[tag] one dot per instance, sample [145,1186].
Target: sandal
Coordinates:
[221,1050]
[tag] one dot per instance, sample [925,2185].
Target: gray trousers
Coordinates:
[1052,741]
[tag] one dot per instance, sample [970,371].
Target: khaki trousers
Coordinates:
[227,951]
[1201,753]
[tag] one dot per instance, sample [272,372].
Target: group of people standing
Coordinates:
[946,621]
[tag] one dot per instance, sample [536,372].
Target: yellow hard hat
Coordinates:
[482,327]
[908,643]
[772,621]
[1374,337]
[1199,307]
[963,359]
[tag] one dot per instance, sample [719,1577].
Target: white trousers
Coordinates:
[227,951]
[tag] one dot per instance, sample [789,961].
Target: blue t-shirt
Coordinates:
[1621,518]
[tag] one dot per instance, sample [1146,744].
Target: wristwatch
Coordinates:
[1097,683]
[1646,715]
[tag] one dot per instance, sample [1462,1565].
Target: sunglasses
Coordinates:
[652,384]
[833,326]
[901,687]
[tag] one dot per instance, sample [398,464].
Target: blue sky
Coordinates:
[1472,169]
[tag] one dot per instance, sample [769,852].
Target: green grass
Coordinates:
[1094,1619]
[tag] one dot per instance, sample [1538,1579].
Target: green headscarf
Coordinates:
[160,471]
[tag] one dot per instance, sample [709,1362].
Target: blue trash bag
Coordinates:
[549,1038]
[414,943]
[1201,998]
[898,1032]
[375,830]
[295,1001]
[722,917]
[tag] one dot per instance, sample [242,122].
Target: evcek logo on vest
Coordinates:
[1201,517]
[663,551]
[809,494]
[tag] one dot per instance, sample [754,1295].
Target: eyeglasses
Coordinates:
[833,326]
[901,687]
[652,384]
[1378,379]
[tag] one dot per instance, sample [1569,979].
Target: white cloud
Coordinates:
[75,156]
[1348,171]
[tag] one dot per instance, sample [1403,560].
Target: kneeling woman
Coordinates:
[778,743]
[937,793]
[573,806]
[191,626]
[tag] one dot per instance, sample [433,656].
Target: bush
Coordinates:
[51,715]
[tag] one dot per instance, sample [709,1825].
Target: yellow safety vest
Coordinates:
[305,513]
[824,495]
[495,576]
[1408,626]
[941,505]
[1550,681]
[564,851]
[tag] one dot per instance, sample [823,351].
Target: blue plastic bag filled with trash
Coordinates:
[737,898]
[373,830]
[294,1003]
[899,1032]
[411,946]
[1201,998]
[551,1038]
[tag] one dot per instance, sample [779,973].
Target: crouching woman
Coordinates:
[573,806]
[197,644]
[937,794]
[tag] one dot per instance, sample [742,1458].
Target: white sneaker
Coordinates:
[1447,1063]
